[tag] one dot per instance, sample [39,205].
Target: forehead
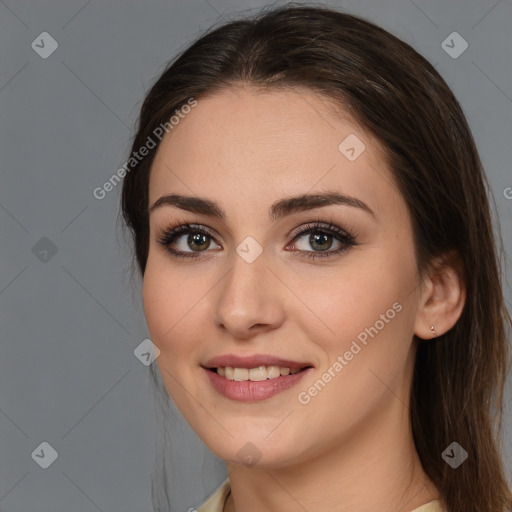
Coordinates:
[250,144]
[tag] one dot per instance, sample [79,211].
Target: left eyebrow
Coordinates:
[277,211]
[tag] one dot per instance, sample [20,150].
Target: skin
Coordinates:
[350,448]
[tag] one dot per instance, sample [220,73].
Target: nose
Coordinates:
[248,300]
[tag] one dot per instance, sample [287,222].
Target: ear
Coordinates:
[442,297]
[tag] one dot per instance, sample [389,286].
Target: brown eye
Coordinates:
[175,242]
[321,239]
[199,240]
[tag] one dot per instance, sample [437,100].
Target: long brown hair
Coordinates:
[457,389]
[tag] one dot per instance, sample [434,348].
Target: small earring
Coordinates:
[433,331]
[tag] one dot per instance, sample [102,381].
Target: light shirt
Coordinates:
[216,502]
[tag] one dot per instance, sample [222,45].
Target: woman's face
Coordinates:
[248,294]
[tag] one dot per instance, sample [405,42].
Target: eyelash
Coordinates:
[167,236]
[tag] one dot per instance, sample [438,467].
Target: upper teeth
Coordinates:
[254,374]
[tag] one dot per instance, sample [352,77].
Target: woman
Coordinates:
[319,269]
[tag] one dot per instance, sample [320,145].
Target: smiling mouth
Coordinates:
[257,374]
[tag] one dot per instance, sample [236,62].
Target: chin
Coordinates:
[255,450]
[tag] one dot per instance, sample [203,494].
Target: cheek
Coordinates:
[343,304]
[168,297]
[175,310]
[158,305]
[166,308]
[363,315]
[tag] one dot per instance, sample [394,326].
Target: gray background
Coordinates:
[70,321]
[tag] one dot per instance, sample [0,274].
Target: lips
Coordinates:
[232,376]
